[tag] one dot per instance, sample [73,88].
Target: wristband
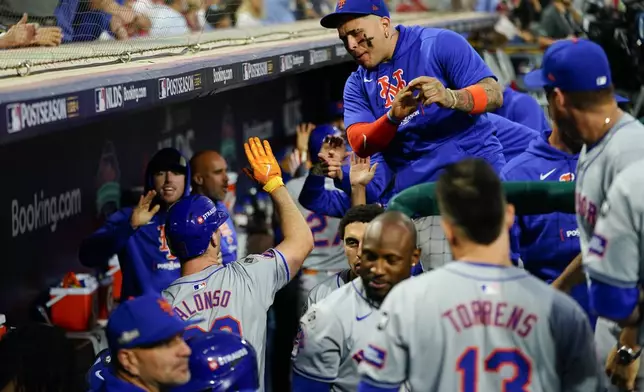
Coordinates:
[392,120]
[273,184]
[479,98]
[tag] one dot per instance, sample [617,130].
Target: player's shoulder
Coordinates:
[628,135]
[629,183]
[324,288]
[254,259]
[323,314]
[523,166]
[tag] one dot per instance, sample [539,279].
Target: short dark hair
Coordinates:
[364,213]
[470,195]
[584,100]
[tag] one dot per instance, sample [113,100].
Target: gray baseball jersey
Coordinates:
[473,327]
[233,298]
[328,253]
[597,167]
[616,251]
[331,333]
[326,287]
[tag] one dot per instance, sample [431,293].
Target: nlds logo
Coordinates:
[107,98]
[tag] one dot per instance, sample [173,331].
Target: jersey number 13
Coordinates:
[468,366]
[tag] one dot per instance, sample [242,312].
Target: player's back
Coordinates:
[232,298]
[599,165]
[328,251]
[495,326]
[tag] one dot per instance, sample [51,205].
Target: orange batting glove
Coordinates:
[265,168]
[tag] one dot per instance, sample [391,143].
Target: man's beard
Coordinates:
[568,131]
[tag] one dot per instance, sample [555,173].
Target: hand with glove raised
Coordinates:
[264,168]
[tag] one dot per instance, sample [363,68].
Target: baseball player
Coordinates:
[167,179]
[221,362]
[614,265]
[326,259]
[418,95]
[149,352]
[478,324]
[351,230]
[576,76]
[328,347]
[235,297]
[547,243]
[210,178]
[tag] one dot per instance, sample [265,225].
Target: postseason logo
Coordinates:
[257,70]
[290,61]
[114,97]
[319,56]
[21,116]
[170,87]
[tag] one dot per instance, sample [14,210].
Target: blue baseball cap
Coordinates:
[573,65]
[143,322]
[354,8]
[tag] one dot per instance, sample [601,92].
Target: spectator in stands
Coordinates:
[250,13]
[166,16]
[24,34]
[217,15]
[279,11]
[38,357]
[559,20]
[87,20]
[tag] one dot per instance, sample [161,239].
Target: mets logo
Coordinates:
[341,3]
[165,306]
[390,88]
[567,177]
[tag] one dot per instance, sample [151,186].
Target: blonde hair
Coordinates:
[246,6]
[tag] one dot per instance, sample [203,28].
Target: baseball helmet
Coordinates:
[189,226]
[221,361]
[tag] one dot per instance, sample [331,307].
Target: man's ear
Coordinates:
[415,256]
[509,216]
[448,230]
[197,179]
[129,361]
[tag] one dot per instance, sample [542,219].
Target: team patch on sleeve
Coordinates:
[298,343]
[375,356]
[269,254]
[597,245]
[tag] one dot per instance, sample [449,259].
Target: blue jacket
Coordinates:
[546,243]
[228,237]
[514,137]
[164,268]
[431,137]
[523,109]
[335,203]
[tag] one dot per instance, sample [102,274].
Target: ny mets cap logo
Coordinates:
[165,306]
[341,4]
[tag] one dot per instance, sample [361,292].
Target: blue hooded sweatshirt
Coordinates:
[546,243]
[523,109]
[111,239]
[514,137]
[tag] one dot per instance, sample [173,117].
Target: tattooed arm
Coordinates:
[493,91]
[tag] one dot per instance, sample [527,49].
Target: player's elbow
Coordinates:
[357,141]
